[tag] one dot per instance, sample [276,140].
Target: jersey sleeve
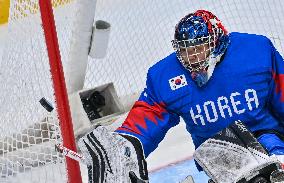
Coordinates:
[276,100]
[149,120]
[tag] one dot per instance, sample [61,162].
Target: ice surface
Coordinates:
[177,172]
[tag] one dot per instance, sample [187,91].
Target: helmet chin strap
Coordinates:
[202,77]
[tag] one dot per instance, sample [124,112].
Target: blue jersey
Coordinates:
[247,85]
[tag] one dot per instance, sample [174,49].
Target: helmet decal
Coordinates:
[211,20]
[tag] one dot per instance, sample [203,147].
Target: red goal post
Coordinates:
[61,96]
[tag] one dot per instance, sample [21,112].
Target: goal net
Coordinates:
[140,35]
[30,129]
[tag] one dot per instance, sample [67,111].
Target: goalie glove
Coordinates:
[113,157]
[235,156]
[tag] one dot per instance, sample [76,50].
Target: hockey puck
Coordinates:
[47,105]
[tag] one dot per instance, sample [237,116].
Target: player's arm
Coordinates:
[273,140]
[276,99]
[149,119]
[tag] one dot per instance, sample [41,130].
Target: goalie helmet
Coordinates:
[200,40]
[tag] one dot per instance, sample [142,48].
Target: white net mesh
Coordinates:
[28,133]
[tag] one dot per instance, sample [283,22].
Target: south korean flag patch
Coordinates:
[178,82]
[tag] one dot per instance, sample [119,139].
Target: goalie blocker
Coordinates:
[113,157]
[235,156]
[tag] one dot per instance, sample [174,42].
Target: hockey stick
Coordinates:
[80,158]
[69,153]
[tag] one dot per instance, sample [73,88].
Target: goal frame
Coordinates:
[64,114]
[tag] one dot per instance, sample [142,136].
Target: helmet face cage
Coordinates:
[197,38]
[194,53]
